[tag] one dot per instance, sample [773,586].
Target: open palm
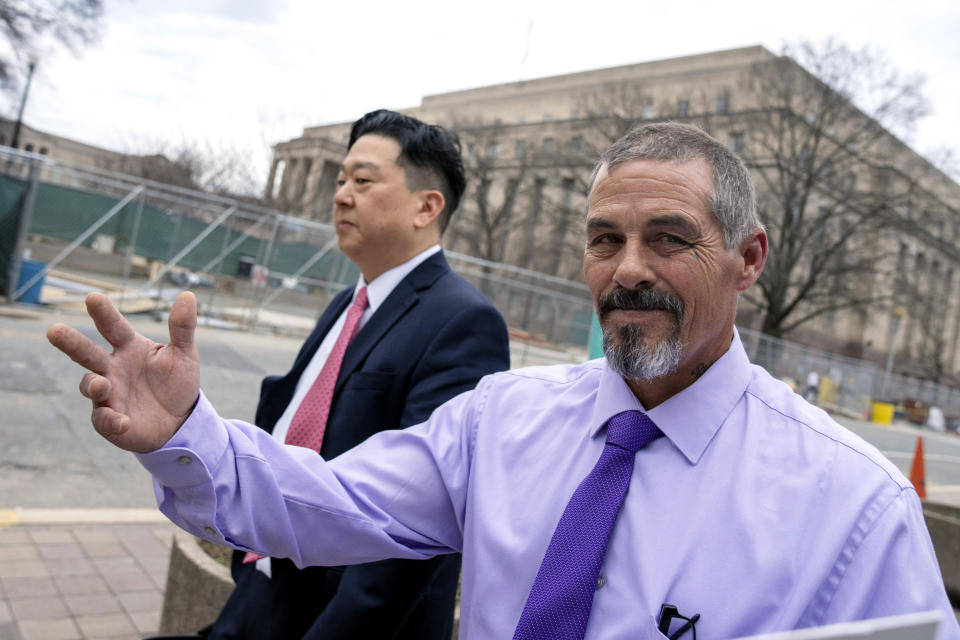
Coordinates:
[143,391]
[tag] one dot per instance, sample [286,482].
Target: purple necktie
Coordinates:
[559,602]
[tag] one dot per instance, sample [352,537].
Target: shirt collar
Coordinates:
[386,282]
[690,418]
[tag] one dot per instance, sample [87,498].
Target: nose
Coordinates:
[634,271]
[343,197]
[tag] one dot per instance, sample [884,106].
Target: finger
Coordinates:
[110,323]
[109,423]
[95,387]
[183,321]
[79,348]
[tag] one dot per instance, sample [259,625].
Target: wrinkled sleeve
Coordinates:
[399,494]
[891,570]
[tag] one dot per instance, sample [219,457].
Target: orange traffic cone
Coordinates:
[917,474]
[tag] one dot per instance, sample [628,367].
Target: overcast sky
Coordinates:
[247,73]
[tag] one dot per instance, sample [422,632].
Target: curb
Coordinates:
[79,516]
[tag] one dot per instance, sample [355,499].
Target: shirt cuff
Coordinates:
[183,471]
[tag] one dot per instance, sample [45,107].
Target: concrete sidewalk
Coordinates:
[82,574]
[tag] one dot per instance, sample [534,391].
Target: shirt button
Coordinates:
[600,582]
[184,459]
[210,531]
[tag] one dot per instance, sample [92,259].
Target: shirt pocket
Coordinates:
[650,632]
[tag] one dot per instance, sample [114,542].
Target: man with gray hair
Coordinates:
[748,510]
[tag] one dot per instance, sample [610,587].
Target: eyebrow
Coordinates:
[674,221]
[658,221]
[599,223]
[360,164]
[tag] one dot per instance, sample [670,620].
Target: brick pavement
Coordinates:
[82,580]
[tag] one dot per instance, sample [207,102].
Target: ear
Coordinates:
[753,251]
[431,204]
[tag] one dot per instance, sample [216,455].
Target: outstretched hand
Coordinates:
[143,391]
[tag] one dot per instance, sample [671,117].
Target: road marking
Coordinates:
[927,457]
[79,516]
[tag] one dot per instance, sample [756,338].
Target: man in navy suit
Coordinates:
[425,336]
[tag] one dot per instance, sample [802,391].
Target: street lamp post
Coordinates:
[15,140]
[896,315]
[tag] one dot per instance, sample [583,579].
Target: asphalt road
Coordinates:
[51,458]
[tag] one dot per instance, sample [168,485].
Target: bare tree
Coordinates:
[523,199]
[28,25]
[828,189]
[193,164]
[497,178]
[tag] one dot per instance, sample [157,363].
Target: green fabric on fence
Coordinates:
[11,195]
[65,213]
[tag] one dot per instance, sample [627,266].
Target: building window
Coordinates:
[43,151]
[29,147]
[471,151]
[519,148]
[736,141]
[493,148]
[548,145]
[576,145]
[575,114]
[723,104]
[683,108]
[521,120]
[649,111]
[547,117]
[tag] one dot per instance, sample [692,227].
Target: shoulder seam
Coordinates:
[824,435]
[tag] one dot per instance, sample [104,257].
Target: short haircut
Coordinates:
[429,155]
[733,201]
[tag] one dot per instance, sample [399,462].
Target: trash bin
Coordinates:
[28,270]
[881,412]
[245,266]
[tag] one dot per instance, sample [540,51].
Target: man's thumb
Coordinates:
[183,321]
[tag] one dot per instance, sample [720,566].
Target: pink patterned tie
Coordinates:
[310,420]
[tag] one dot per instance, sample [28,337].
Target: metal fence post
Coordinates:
[23,229]
[131,247]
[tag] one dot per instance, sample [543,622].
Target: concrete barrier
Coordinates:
[197,587]
[943,522]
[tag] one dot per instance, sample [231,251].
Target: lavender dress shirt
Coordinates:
[756,511]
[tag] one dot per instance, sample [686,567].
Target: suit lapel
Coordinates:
[404,297]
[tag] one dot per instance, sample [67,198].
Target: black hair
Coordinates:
[429,154]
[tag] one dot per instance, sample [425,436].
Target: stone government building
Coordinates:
[839,193]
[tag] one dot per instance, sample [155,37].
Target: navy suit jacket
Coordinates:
[433,337]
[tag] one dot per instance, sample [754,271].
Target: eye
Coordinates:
[605,239]
[669,238]
[361,180]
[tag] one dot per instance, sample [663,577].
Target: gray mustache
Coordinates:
[639,300]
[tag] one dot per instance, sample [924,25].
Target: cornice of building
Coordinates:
[697,64]
[60,142]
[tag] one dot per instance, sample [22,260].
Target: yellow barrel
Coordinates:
[881,412]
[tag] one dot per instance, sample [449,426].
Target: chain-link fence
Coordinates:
[250,266]
[845,383]
[257,268]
